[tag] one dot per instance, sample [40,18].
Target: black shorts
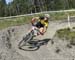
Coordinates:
[39,25]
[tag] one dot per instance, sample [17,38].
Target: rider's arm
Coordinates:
[45,27]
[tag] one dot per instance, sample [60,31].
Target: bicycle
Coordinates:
[27,42]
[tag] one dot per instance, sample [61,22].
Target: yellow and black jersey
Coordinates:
[41,23]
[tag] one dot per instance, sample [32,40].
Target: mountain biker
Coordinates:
[41,23]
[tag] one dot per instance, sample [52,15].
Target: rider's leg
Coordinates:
[41,30]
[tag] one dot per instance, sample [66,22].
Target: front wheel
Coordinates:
[26,39]
[27,44]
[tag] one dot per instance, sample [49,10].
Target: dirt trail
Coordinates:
[49,51]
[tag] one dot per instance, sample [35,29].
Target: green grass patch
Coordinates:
[14,22]
[66,34]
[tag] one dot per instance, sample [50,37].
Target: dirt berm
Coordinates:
[51,48]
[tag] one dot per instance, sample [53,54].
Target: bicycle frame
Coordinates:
[35,30]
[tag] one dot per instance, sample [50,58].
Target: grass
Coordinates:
[61,15]
[23,20]
[14,22]
[66,34]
